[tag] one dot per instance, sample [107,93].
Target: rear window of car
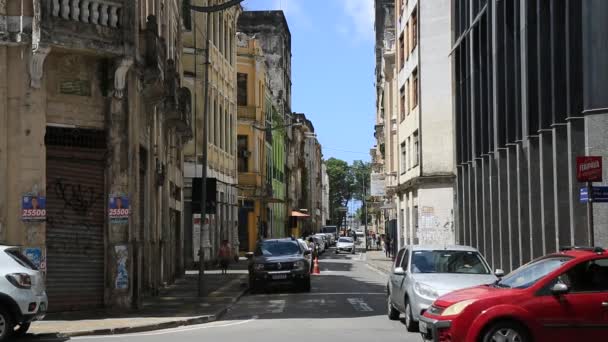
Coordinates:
[446,261]
[345,240]
[21,259]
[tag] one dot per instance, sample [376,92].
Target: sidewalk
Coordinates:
[379,261]
[177,305]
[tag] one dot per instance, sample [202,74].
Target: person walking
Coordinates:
[387,247]
[225,256]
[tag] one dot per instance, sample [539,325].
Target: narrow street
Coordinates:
[347,302]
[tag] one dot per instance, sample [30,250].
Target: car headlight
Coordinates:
[299,265]
[258,267]
[426,291]
[456,309]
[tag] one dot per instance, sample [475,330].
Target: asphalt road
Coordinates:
[347,303]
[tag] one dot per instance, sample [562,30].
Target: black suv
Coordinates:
[279,261]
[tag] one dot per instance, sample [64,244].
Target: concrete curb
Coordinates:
[378,268]
[150,327]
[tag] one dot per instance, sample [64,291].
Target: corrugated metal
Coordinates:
[75,228]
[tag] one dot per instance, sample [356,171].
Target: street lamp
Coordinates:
[208,10]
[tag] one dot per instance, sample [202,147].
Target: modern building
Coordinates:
[93,118]
[426,171]
[530,79]
[221,222]
[253,143]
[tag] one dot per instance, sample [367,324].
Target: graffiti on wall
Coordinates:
[435,227]
[122,275]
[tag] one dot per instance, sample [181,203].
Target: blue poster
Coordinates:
[118,208]
[33,208]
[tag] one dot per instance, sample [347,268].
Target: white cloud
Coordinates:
[361,13]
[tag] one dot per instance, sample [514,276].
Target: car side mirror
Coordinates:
[499,273]
[399,271]
[249,255]
[560,289]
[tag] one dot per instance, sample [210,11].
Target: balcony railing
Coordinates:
[96,12]
[246,112]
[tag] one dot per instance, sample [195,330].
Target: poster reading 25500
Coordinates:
[33,208]
[118,208]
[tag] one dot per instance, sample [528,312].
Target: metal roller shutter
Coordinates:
[75,228]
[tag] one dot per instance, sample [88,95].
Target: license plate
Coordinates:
[279,276]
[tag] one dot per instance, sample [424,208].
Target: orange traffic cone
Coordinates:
[315,269]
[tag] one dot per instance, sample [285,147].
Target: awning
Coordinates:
[298,214]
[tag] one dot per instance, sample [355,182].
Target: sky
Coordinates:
[332,70]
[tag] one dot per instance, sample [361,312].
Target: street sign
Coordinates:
[600,194]
[589,169]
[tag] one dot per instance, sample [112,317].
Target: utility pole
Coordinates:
[207,10]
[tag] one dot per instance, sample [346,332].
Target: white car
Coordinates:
[345,244]
[22,293]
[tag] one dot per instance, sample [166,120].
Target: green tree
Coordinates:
[361,175]
[341,185]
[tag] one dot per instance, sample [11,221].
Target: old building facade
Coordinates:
[221,222]
[93,117]
[530,80]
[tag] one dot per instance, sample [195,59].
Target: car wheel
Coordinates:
[393,314]
[6,325]
[506,331]
[410,324]
[22,329]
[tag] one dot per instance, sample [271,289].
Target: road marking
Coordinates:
[359,304]
[276,306]
[170,331]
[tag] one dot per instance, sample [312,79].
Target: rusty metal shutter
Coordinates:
[75,226]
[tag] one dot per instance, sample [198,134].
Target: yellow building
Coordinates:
[251,142]
[221,126]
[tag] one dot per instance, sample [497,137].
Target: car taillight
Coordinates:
[20,280]
[444,335]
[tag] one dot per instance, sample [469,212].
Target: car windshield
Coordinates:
[345,240]
[448,262]
[529,274]
[276,248]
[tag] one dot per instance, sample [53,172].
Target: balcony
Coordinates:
[246,112]
[93,25]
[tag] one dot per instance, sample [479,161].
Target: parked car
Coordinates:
[279,261]
[320,242]
[561,297]
[332,230]
[345,244]
[331,238]
[23,296]
[423,273]
[325,241]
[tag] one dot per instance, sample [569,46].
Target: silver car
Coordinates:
[422,273]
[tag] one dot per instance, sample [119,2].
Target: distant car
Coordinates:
[332,238]
[332,230]
[423,273]
[23,296]
[561,297]
[320,243]
[345,244]
[279,261]
[325,239]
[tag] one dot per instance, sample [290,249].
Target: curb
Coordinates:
[378,268]
[150,327]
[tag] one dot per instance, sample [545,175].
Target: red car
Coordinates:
[559,297]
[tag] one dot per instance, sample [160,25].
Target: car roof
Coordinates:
[442,247]
[3,247]
[280,240]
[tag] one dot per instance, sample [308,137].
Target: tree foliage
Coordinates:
[346,182]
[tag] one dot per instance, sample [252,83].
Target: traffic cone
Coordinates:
[315,269]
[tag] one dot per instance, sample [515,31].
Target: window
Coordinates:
[406,92]
[398,258]
[414,93]
[406,39]
[406,258]
[415,149]
[402,104]
[403,158]
[243,160]
[401,51]
[187,15]
[408,161]
[528,275]
[591,276]
[446,261]
[414,28]
[241,80]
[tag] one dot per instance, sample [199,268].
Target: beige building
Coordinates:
[222,124]
[92,121]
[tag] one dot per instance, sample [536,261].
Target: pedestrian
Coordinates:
[387,247]
[225,256]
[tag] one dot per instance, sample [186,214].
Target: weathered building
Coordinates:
[272,31]
[92,121]
[221,222]
[530,82]
[426,170]
[254,135]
